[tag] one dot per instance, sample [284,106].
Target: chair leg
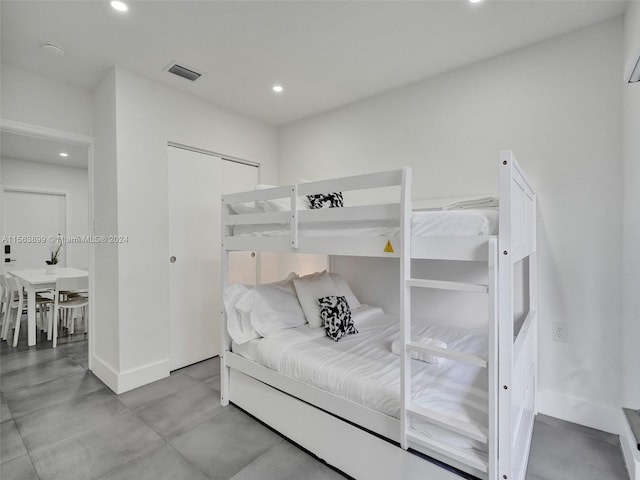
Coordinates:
[50,324]
[45,315]
[39,318]
[71,320]
[16,333]
[55,327]
[6,315]
[8,332]
[6,326]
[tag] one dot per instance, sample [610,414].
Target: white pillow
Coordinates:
[280,204]
[245,207]
[345,290]
[238,323]
[309,291]
[276,205]
[309,276]
[272,307]
[341,284]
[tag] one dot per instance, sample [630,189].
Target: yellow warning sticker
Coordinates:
[388,247]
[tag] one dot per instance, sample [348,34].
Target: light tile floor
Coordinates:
[59,421]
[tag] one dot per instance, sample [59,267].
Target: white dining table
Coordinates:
[35,280]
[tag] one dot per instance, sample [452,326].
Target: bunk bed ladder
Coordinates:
[405,305]
[488,436]
[493,360]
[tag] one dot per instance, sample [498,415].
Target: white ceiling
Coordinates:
[34,149]
[325,53]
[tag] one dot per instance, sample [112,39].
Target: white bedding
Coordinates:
[362,368]
[247,349]
[471,222]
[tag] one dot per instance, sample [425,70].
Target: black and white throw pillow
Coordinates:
[326,200]
[336,316]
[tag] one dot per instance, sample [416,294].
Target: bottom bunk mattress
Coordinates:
[362,368]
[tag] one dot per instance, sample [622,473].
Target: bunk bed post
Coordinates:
[225,339]
[533,294]
[293,221]
[493,358]
[505,318]
[405,303]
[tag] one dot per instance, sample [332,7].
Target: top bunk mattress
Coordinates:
[464,223]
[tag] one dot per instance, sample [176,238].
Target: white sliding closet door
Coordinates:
[196,181]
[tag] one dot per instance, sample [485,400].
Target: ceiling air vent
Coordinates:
[184,72]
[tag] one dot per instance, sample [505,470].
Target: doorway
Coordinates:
[46,190]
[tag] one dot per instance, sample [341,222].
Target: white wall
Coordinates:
[147,116]
[631,232]
[73,181]
[106,337]
[631,238]
[36,100]
[558,106]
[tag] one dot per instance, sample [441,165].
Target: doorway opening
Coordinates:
[46,199]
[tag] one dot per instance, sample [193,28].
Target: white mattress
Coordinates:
[469,222]
[247,349]
[361,368]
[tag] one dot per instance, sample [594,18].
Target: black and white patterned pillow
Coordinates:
[326,200]
[336,317]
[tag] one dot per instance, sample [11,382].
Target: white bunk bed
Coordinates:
[359,440]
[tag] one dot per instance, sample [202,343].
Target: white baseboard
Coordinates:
[136,377]
[630,449]
[580,411]
[129,379]
[105,372]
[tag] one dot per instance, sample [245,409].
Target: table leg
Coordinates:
[31,316]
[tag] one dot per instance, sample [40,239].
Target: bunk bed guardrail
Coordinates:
[293,216]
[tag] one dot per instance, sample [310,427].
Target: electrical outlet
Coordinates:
[560,332]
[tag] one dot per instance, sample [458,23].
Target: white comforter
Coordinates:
[468,223]
[363,369]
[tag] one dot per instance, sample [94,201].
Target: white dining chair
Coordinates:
[43,302]
[4,302]
[67,322]
[15,298]
[41,306]
[15,302]
[68,302]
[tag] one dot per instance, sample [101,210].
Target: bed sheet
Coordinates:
[362,368]
[247,349]
[471,222]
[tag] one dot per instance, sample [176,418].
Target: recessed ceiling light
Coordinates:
[278,88]
[53,49]
[475,1]
[63,154]
[120,6]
